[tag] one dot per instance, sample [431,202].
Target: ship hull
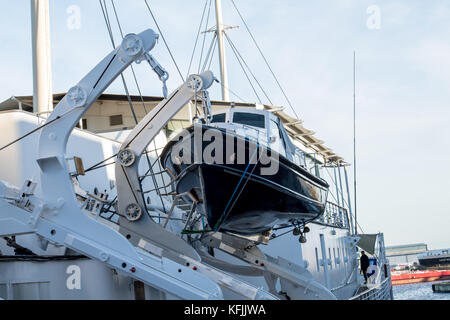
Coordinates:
[435,261]
[239,197]
[419,277]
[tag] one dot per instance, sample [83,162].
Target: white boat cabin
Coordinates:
[262,126]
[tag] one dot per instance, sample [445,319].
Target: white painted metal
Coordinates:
[296,281]
[90,147]
[127,176]
[42,67]
[237,286]
[57,216]
[324,261]
[62,278]
[222,58]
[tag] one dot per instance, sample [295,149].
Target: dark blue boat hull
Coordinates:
[238,198]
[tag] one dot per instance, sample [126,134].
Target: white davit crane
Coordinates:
[135,224]
[58,217]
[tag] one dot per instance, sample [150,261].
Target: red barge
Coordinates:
[419,276]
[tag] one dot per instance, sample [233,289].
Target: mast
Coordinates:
[222,59]
[354,137]
[42,69]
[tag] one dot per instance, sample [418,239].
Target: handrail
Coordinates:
[335,216]
[372,292]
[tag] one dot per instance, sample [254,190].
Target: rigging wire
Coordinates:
[111,37]
[264,58]
[196,39]
[132,68]
[211,49]
[37,129]
[248,68]
[232,92]
[100,164]
[164,39]
[335,184]
[242,67]
[212,53]
[108,24]
[204,36]
[30,132]
[142,100]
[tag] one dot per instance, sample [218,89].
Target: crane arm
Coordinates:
[56,215]
[135,225]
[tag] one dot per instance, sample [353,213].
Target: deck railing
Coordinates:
[383,291]
[335,216]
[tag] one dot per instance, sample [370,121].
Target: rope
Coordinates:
[164,39]
[225,213]
[265,60]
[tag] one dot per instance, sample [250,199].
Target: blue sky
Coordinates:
[403,76]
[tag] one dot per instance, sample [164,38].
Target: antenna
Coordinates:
[354,137]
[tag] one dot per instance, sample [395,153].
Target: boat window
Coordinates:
[251,119]
[218,117]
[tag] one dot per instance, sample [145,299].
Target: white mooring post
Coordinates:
[42,69]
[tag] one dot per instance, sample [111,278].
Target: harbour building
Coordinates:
[405,254]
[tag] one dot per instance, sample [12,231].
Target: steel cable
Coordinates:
[264,58]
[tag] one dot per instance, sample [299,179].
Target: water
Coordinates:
[418,291]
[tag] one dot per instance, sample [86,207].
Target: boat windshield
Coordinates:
[276,140]
[250,119]
[218,117]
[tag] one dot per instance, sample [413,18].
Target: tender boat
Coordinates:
[244,172]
